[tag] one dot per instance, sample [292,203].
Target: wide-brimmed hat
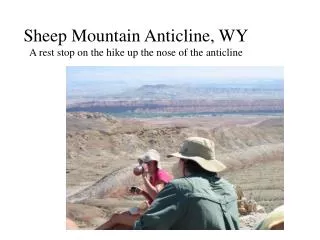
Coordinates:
[150,155]
[200,150]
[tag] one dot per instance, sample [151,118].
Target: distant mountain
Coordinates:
[204,91]
[155,86]
[272,89]
[157,91]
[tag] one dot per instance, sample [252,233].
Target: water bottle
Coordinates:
[138,170]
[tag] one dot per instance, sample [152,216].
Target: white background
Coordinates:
[33,92]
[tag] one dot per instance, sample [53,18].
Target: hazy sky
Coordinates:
[172,75]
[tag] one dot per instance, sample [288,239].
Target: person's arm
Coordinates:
[164,211]
[150,189]
[146,195]
[137,190]
[122,218]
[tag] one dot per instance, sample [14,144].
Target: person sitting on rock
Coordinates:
[199,199]
[273,221]
[154,178]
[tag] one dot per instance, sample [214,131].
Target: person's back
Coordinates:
[199,202]
[216,209]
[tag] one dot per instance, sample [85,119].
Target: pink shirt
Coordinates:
[161,176]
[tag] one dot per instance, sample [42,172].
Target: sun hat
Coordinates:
[150,155]
[200,150]
[273,221]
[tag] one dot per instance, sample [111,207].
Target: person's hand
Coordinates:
[145,174]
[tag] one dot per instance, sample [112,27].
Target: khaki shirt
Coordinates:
[194,202]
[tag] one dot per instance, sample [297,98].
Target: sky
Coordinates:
[168,74]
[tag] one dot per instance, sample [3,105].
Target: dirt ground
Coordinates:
[102,150]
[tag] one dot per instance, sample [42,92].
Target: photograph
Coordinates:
[175,147]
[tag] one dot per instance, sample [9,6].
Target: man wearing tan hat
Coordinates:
[197,200]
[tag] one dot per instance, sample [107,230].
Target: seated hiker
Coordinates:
[199,199]
[154,179]
[273,221]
